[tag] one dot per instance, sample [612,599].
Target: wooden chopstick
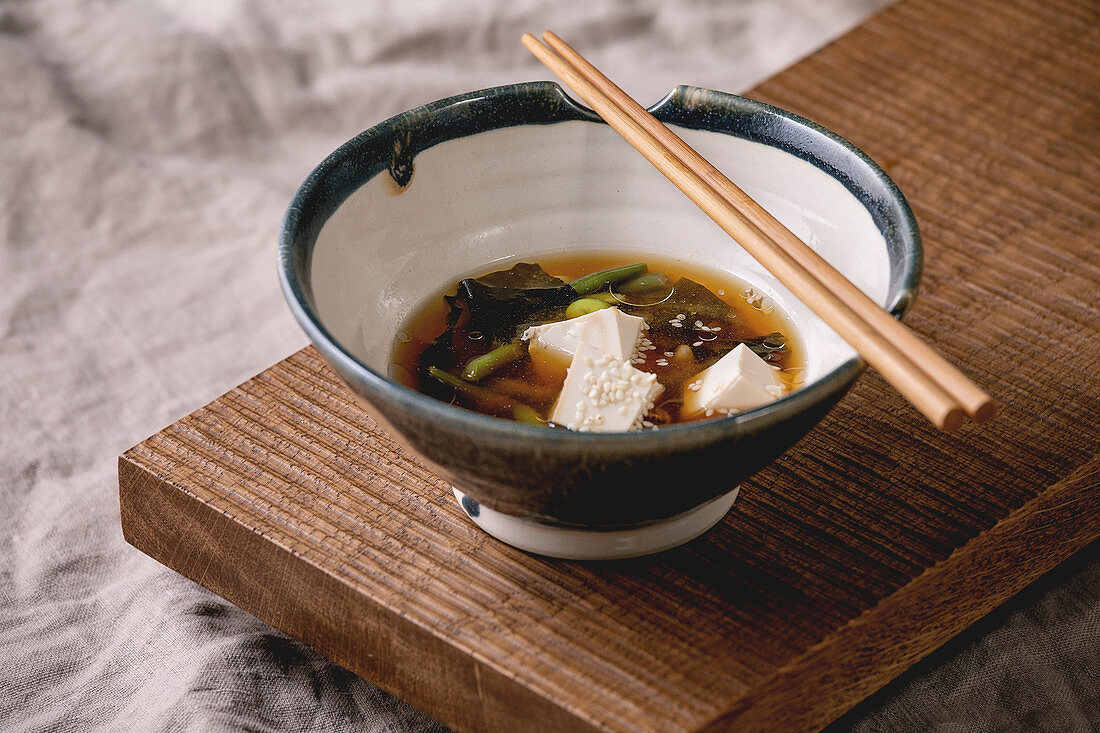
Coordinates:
[935,387]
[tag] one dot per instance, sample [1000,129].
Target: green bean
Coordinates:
[479,394]
[523,413]
[482,366]
[482,394]
[458,385]
[525,390]
[599,280]
[644,283]
[584,306]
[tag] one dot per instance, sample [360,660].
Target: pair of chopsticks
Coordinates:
[937,389]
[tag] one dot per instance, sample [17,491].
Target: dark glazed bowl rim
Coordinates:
[352,165]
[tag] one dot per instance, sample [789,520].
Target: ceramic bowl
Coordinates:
[477,181]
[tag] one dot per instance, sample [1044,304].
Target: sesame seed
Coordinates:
[698,324]
[681,316]
[721,292]
[697,343]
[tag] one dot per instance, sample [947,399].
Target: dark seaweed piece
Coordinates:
[495,304]
[440,353]
[763,346]
[774,341]
[760,345]
[521,275]
[768,347]
[695,301]
[501,301]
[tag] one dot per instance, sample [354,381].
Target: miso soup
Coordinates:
[509,343]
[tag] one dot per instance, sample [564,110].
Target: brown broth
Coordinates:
[537,384]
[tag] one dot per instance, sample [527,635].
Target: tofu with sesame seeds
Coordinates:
[738,381]
[607,330]
[604,393]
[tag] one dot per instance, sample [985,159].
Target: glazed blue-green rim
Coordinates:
[371,153]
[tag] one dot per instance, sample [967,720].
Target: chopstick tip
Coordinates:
[952,421]
[984,412]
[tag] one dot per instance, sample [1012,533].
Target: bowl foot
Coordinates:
[583,544]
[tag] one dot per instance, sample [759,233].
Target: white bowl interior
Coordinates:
[519,192]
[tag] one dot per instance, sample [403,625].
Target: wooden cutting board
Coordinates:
[863,549]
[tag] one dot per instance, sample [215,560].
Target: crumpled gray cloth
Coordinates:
[1031,665]
[147,153]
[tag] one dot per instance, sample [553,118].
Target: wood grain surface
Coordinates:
[859,552]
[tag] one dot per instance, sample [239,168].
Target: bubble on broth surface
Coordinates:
[658,293]
[764,304]
[774,341]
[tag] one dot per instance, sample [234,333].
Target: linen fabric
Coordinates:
[148,150]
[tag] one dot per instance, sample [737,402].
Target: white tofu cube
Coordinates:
[603,393]
[738,381]
[608,330]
